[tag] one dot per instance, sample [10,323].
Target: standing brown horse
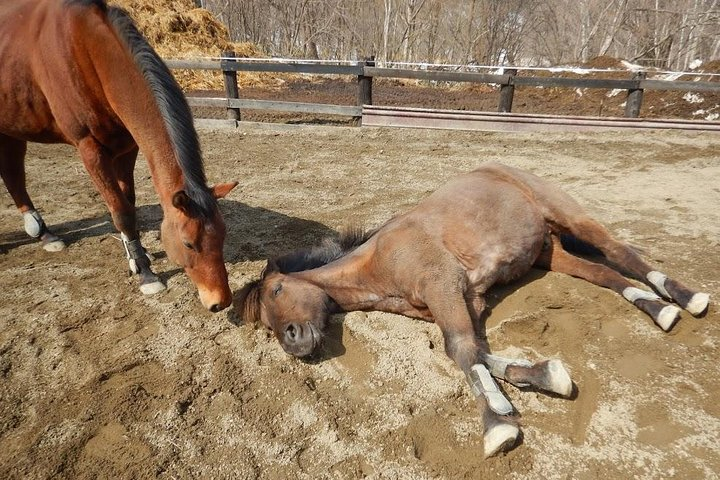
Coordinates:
[437,261]
[79,72]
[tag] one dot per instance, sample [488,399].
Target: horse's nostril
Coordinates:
[215,308]
[291,331]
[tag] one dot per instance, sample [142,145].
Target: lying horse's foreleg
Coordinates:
[548,375]
[555,258]
[12,171]
[590,231]
[99,164]
[452,316]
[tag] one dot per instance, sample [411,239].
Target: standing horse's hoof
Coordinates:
[55,246]
[152,288]
[499,438]
[52,243]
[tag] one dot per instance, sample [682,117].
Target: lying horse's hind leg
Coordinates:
[620,254]
[556,259]
[111,183]
[12,171]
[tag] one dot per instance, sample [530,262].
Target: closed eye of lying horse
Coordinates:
[436,263]
[79,72]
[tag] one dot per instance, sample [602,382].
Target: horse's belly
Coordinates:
[497,264]
[499,251]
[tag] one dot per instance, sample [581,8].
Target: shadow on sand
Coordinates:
[253,233]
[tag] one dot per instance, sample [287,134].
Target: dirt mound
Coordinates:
[604,61]
[712,66]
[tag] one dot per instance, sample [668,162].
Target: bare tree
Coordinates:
[664,33]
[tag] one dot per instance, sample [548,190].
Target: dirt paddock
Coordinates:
[98,381]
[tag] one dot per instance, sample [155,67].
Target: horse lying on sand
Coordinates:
[436,262]
[79,72]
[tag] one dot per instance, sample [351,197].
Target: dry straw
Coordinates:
[177,29]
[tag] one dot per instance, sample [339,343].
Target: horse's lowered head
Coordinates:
[193,237]
[296,310]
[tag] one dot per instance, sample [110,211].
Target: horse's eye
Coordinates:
[189,245]
[277,289]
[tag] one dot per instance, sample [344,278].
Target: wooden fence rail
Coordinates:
[366,70]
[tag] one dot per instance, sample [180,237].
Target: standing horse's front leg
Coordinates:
[117,191]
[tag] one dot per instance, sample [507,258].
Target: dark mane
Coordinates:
[247,301]
[330,249]
[173,108]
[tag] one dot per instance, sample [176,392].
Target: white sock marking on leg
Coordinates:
[484,384]
[632,293]
[658,279]
[33,223]
[499,364]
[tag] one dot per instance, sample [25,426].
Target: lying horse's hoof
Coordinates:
[499,438]
[557,379]
[668,316]
[698,304]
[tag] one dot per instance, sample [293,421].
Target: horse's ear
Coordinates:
[222,189]
[271,266]
[181,201]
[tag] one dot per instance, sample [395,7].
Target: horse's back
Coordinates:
[48,90]
[556,205]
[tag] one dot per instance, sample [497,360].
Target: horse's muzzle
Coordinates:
[299,339]
[215,302]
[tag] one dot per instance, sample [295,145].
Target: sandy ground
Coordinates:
[97,381]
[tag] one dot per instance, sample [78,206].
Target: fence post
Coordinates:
[365,85]
[507,91]
[231,84]
[635,97]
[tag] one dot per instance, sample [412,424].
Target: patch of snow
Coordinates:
[695,64]
[632,66]
[692,97]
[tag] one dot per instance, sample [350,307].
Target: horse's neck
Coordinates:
[133,100]
[167,178]
[348,280]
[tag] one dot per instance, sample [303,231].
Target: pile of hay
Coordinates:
[178,29]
